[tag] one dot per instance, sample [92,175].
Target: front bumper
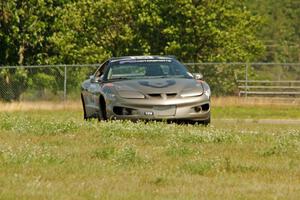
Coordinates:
[191,108]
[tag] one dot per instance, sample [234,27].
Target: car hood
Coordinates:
[161,85]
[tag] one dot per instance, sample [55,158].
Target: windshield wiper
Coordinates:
[154,77]
[119,78]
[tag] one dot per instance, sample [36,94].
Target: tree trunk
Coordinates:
[21,54]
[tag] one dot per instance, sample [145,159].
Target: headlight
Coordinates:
[207,93]
[207,90]
[191,92]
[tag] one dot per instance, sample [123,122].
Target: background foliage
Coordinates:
[90,31]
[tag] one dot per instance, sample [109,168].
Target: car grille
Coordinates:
[162,95]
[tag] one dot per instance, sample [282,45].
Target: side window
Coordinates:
[165,69]
[101,69]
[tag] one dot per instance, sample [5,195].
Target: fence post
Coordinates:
[65,84]
[246,80]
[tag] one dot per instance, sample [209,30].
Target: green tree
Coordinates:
[25,30]
[281,35]
[192,30]
[199,31]
[281,29]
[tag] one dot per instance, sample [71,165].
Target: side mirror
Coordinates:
[95,79]
[198,76]
[92,78]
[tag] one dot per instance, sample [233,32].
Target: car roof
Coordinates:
[133,58]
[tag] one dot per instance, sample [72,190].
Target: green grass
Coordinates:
[257,112]
[57,155]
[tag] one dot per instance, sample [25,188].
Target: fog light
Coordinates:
[122,110]
[197,109]
[127,111]
[205,107]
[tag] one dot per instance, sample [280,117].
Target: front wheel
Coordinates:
[102,110]
[101,116]
[84,110]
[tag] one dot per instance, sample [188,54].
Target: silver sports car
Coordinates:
[146,87]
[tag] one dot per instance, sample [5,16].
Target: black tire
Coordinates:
[83,106]
[101,116]
[102,110]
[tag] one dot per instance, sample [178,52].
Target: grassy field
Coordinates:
[54,154]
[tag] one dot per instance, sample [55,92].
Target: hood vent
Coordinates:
[171,95]
[162,95]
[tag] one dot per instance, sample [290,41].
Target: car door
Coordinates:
[94,89]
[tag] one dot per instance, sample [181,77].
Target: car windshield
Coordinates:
[141,69]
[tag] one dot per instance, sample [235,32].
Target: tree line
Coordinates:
[90,31]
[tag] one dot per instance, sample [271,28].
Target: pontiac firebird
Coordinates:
[146,88]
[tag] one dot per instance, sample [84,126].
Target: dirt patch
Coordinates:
[262,121]
[40,105]
[254,101]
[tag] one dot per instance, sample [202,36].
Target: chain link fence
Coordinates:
[61,82]
[45,82]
